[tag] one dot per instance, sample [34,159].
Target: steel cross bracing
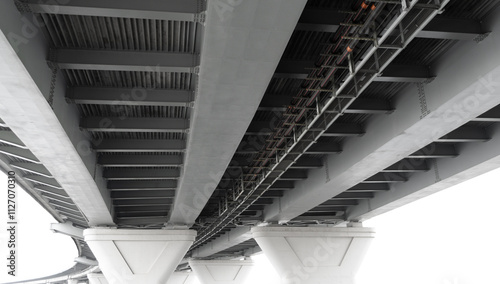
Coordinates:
[301,130]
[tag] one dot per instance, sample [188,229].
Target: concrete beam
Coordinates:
[115,60]
[244,43]
[473,161]
[140,160]
[186,10]
[223,242]
[465,89]
[42,119]
[118,124]
[136,145]
[129,96]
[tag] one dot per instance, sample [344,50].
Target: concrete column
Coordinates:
[97,278]
[182,278]
[138,256]
[222,271]
[314,255]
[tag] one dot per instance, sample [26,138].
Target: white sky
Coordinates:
[451,237]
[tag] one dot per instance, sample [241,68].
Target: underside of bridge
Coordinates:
[220,116]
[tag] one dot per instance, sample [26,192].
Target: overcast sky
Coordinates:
[451,237]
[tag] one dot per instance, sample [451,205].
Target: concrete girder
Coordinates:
[464,89]
[474,160]
[119,124]
[244,42]
[39,115]
[140,160]
[115,60]
[223,242]
[136,145]
[186,10]
[129,96]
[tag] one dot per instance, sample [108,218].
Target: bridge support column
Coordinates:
[138,256]
[97,278]
[182,278]
[314,255]
[222,271]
